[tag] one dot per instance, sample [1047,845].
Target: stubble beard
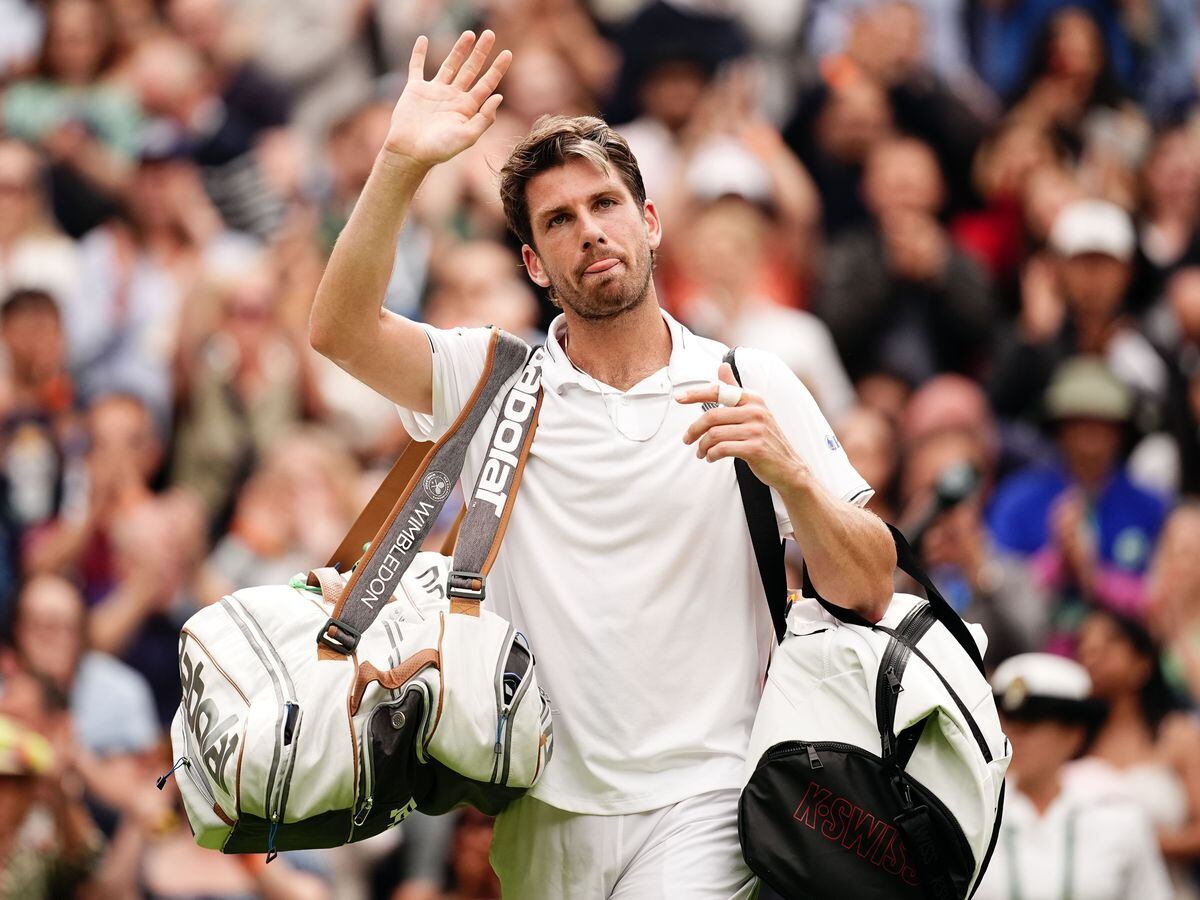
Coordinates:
[605,303]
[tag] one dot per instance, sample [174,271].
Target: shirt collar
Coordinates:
[688,363]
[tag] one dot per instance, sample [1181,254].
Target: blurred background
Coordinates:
[969,226]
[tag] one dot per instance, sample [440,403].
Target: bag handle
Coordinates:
[906,561]
[399,538]
[764,533]
[768,552]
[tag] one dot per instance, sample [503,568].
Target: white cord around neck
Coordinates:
[604,399]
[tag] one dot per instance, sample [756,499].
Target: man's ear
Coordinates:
[533,265]
[653,225]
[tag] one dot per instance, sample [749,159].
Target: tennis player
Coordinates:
[627,560]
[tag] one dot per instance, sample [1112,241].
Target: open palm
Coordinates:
[439,118]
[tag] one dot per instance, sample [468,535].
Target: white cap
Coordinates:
[1041,675]
[722,166]
[1093,226]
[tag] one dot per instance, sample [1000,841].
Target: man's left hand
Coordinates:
[747,431]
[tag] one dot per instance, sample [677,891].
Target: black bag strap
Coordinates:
[906,561]
[768,551]
[764,533]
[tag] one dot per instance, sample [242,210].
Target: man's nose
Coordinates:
[591,232]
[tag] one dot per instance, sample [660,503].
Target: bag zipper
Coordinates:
[976,733]
[889,680]
[503,732]
[367,799]
[277,801]
[199,782]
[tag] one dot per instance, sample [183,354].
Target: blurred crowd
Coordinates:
[969,226]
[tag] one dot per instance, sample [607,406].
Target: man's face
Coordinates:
[49,630]
[1095,284]
[34,341]
[594,243]
[1090,448]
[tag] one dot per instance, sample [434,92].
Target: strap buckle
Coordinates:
[344,640]
[460,583]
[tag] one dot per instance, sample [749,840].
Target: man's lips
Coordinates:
[601,265]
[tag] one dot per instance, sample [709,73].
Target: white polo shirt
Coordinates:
[628,565]
[1091,842]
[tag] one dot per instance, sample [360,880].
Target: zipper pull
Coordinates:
[814,761]
[886,744]
[162,779]
[499,731]
[364,812]
[271,851]
[893,682]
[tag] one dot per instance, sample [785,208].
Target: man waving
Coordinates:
[627,561]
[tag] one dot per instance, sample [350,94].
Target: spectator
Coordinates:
[834,128]
[1146,743]
[87,126]
[897,295]
[1087,530]
[725,255]
[289,517]
[111,707]
[981,582]
[37,424]
[995,235]
[156,551]
[123,453]
[1078,307]
[1168,461]
[1058,836]
[1174,593]
[175,87]
[245,388]
[1170,215]
[49,845]
[33,253]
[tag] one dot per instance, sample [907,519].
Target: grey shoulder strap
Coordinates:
[400,537]
[490,504]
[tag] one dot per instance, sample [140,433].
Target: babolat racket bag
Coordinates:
[325,711]
[876,764]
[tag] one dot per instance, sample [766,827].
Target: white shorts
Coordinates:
[688,850]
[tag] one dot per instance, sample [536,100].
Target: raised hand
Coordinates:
[437,119]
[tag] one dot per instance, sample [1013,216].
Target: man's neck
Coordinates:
[619,352]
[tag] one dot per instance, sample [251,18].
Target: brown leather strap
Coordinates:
[376,511]
[329,581]
[411,483]
[392,679]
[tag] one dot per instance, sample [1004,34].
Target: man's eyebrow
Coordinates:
[551,213]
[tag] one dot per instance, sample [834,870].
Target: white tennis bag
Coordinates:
[327,710]
[876,764]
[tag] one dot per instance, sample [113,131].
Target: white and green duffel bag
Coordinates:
[325,711]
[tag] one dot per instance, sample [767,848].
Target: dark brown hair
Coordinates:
[551,142]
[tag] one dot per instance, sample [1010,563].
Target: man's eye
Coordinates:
[606,202]
[558,220]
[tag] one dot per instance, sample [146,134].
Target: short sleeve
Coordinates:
[459,355]
[806,428]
